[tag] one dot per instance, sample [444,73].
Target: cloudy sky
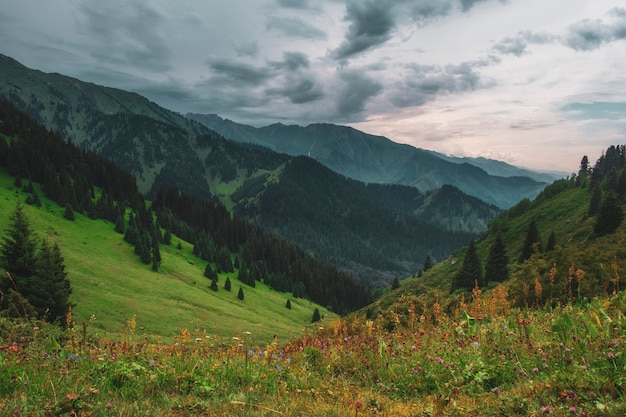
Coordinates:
[536,83]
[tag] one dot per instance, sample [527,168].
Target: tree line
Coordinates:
[85,183]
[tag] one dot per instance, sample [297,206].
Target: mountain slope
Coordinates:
[162,149]
[582,263]
[376,159]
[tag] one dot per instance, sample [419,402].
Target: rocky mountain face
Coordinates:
[376,159]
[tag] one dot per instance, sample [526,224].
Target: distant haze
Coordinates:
[532,83]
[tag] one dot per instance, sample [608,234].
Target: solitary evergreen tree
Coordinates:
[240,294]
[496,268]
[50,294]
[316,315]
[395,284]
[594,203]
[288,305]
[470,271]
[428,263]
[532,241]
[208,271]
[68,213]
[167,238]
[214,284]
[227,285]
[610,215]
[18,251]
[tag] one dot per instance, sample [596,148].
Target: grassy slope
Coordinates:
[565,214]
[111,284]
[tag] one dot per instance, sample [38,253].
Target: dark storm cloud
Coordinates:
[424,11]
[131,37]
[371,25]
[298,90]
[293,61]
[295,4]
[424,83]
[232,71]
[357,89]
[293,27]
[517,45]
[588,34]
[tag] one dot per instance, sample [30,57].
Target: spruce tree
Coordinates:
[240,293]
[288,304]
[470,271]
[395,284]
[594,203]
[496,268]
[428,263]
[532,241]
[69,212]
[18,251]
[227,285]
[50,292]
[609,217]
[214,284]
[316,315]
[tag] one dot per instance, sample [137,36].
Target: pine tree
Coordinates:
[240,294]
[38,276]
[167,238]
[532,242]
[18,251]
[395,284]
[594,203]
[69,212]
[470,271]
[288,304]
[227,285]
[214,284]
[496,268]
[316,315]
[609,217]
[50,291]
[428,263]
[120,226]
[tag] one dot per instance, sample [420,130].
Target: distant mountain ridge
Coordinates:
[163,149]
[377,159]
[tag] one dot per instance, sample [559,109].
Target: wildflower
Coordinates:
[109,405]
[572,410]
[279,368]
[17,412]
[592,394]
[495,390]
[288,360]
[584,367]
[546,409]
[535,369]
[475,344]
[250,352]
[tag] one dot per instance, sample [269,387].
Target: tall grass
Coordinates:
[564,360]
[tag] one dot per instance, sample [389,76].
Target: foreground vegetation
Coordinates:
[566,360]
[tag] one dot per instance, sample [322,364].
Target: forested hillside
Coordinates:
[85,183]
[565,245]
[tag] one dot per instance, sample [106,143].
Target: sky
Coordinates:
[534,83]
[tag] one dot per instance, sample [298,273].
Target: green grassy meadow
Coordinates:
[110,284]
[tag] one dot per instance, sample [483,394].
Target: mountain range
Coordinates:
[337,210]
[379,160]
